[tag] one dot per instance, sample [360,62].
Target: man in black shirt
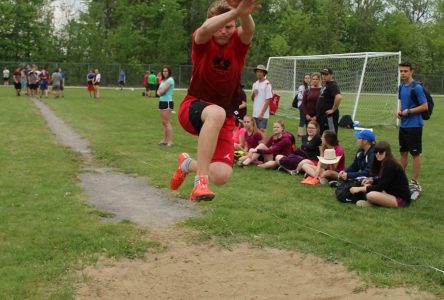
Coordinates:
[327,112]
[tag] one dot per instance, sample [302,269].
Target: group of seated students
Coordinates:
[322,160]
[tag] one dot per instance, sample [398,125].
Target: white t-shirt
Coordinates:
[98,77]
[6,73]
[264,92]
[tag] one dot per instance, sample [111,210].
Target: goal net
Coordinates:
[368,82]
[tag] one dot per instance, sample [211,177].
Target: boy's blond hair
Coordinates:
[217,8]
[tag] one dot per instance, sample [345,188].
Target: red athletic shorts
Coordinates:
[90,87]
[190,111]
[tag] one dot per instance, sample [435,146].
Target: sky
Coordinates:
[65,9]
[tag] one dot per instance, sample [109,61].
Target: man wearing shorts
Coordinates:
[219,50]
[410,130]
[261,96]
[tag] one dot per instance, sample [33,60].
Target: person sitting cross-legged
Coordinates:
[389,187]
[327,168]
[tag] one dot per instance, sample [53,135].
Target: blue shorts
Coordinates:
[44,85]
[261,123]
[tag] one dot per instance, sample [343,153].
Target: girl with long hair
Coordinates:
[278,143]
[166,105]
[389,186]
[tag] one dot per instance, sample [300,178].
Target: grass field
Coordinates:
[46,228]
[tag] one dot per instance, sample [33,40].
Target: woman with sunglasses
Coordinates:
[390,187]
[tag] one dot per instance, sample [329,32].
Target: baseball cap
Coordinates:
[326,71]
[365,135]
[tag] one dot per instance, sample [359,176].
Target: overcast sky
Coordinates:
[64,9]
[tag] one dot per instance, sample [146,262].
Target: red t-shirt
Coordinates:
[217,71]
[145,79]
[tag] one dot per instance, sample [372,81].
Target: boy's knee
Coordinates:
[214,113]
[220,174]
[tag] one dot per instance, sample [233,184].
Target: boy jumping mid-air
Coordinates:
[218,55]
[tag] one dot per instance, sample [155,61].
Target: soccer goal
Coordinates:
[368,81]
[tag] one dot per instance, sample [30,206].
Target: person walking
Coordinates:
[410,129]
[327,108]
[219,51]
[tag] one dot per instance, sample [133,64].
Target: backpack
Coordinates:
[346,122]
[430,104]
[343,191]
[274,102]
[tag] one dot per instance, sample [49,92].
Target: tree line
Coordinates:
[159,31]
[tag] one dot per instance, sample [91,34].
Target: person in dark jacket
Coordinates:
[390,187]
[364,157]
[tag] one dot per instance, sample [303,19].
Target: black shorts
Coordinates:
[122,82]
[152,87]
[195,114]
[97,83]
[166,105]
[5,78]
[18,85]
[410,140]
[33,86]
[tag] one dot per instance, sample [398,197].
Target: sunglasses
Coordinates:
[379,151]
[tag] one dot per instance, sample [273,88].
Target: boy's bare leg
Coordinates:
[213,118]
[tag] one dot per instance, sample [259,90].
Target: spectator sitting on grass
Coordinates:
[278,143]
[252,136]
[329,167]
[309,150]
[390,187]
[364,157]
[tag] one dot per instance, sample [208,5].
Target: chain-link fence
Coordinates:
[75,74]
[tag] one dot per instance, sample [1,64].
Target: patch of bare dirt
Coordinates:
[189,270]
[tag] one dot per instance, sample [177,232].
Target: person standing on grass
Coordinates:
[96,83]
[5,76]
[310,98]
[152,79]
[219,51]
[166,105]
[56,80]
[410,129]
[302,89]
[90,82]
[17,77]
[62,83]
[389,185]
[261,96]
[327,108]
[122,79]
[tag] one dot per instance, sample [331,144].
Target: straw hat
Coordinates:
[329,157]
[262,68]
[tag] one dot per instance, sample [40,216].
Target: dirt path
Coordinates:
[126,197]
[187,269]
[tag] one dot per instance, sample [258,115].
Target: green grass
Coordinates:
[268,208]
[47,232]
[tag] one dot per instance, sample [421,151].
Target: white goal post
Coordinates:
[368,82]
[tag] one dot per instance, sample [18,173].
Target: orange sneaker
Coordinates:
[201,191]
[179,176]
